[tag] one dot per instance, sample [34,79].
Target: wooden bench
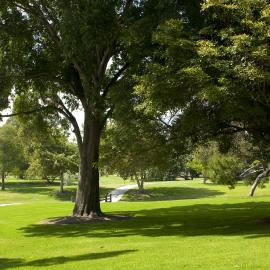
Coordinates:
[107,197]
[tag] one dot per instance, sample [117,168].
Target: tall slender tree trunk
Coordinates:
[253,187]
[87,200]
[258,181]
[3,181]
[62,183]
[140,183]
[142,186]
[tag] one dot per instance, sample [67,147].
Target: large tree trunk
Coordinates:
[257,181]
[87,199]
[3,181]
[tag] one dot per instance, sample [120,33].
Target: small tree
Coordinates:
[224,169]
[50,153]
[244,160]
[134,149]
[11,155]
[52,158]
[200,158]
[257,174]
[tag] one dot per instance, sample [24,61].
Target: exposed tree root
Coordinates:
[85,219]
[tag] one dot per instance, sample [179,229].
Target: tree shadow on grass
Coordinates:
[171,193]
[249,219]
[6,263]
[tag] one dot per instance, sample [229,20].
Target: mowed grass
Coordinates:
[177,225]
[36,190]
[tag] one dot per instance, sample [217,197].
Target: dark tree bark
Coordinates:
[140,183]
[3,181]
[257,181]
[87,199]
[62,183]
[49,180]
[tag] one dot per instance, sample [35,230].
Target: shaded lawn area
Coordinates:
[249,219]
[186,190]
[17,192]
[171,193]
[23,190]
[221,229]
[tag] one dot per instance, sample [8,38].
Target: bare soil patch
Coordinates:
[84,219]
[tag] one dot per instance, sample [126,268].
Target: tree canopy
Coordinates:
[190,72]
[218,75]
[65,55]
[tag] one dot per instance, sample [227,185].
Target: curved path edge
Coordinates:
[118,193]
[9,204]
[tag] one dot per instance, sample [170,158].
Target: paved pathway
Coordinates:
[8,204]
[118,193]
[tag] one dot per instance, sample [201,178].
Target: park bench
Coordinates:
[107,197]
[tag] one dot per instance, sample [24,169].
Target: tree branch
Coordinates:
[114,80]
[65,112]
[38,13]
[126,7]
[104,62]
[26,112]
[106,117]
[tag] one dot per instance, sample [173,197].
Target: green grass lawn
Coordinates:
[176,225]
[36,190]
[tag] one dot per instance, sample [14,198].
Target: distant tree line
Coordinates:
[26,152]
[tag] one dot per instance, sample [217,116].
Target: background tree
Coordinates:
[11,154]
[51,160]
[224,169]
[256,171]
[218,167]
[232,49]
[218,75]
[243,160]
[50,153]
[135,149]
[200,158]
[221,84]
[257,174]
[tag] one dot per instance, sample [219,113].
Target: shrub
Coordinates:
[224,169]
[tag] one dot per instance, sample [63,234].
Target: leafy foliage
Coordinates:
[50,153]
[136,150]
[80,54]
[224,169]
[11,153]
[218,77]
